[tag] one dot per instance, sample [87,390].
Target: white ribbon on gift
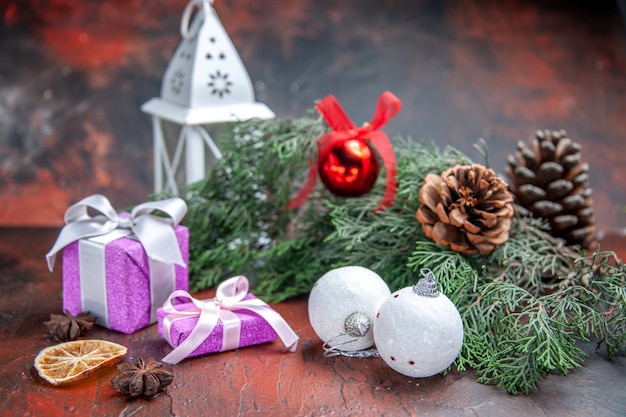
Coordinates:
[155,233]
[228,298]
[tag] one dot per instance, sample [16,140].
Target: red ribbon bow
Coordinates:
[387,107]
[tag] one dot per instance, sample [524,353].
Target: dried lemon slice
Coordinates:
[71,361]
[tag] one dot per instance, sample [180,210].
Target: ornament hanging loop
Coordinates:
[426,286]
[188,28]
[356,325]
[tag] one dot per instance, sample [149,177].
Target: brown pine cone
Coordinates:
[467,209]
[551,182]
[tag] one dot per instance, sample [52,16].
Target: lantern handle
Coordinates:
[186,30]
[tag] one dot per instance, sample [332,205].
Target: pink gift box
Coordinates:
[127,273]
[254,330]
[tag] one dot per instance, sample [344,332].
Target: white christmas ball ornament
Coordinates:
[334,299]
[418,331]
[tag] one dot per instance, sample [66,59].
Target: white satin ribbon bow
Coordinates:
[228,298]
[155,233]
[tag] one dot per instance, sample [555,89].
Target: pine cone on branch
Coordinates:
[466,208]
[551,182]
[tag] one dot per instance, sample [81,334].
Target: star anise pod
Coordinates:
[138,379]
[65,327]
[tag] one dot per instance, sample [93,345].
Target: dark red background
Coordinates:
[73,75]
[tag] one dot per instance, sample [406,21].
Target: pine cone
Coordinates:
[466,208]
[551,182]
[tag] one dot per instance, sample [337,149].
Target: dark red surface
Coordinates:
[74,73]
[259,380]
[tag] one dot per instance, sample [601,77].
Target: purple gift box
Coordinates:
[254,329]
[127,278]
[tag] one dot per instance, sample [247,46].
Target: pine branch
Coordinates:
[238,211]
[530,258]
[525,307]
[607,279]
[525,341]
[455,274]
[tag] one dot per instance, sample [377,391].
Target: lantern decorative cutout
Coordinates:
[205,84]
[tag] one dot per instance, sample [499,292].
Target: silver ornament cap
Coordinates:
[357,324]
[427,286]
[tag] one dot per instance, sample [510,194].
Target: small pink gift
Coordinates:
[233,319]
[122,267]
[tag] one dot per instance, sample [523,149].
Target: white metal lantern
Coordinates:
[205,84]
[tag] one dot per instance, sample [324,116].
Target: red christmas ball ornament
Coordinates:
[350,168]
[347,163]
